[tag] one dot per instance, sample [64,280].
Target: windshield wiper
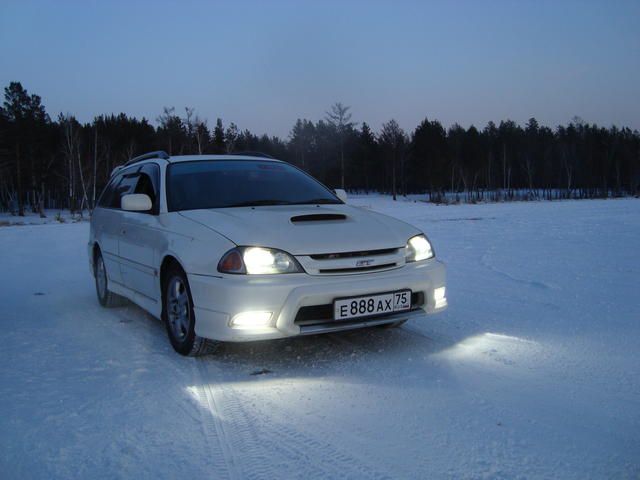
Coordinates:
[259,203]
[319,201]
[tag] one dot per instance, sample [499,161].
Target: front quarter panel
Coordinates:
[196,247]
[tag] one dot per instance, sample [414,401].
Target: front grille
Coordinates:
[317,314]
[357,269]
[353,263]
[364,253]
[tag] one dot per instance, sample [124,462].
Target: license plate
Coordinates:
[370,305]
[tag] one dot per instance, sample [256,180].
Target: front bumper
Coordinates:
[217,299]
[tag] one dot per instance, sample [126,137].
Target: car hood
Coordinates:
[306,229]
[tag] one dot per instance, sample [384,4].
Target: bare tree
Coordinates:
[95,164]
[190,126]
[85,199]
[166,119]
[201,134]
[195,129]
[340,118]
[19,182]
[70,144]
[393,138]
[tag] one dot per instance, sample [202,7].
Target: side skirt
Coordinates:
[146,303]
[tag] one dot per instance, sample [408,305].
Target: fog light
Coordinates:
[251,320]
[440,297]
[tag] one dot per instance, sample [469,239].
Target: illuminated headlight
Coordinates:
[418,248]
[251,320]
[258,260]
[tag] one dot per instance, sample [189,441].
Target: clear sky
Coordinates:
[262,64]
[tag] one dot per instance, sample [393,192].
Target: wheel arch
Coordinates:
[95,250]
[198,345]
[167,261]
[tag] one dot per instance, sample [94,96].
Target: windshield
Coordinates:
[241,183]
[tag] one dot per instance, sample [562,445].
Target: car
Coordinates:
[235,248]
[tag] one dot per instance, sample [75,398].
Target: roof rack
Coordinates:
[252,154]
[157,154]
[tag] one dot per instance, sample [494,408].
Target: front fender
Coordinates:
[197,248]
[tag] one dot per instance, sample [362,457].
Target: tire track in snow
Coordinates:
[219,458]
[484,261]
[213,422]
[313,457]
[261,448]
[321,458]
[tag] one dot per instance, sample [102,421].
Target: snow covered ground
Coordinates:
[51,216]
[533,372]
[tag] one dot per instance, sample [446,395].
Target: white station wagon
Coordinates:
[243,247]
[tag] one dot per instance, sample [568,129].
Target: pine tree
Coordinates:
[218,138]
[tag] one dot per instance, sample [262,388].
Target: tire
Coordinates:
[179,317]
[397,324]
[106,298]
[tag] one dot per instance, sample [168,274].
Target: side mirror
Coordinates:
[341,194]
[136,202]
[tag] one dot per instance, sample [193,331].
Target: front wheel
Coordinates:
[179,317]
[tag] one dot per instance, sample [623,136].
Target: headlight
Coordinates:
[418,248]
[258,260]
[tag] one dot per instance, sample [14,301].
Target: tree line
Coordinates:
[63,163]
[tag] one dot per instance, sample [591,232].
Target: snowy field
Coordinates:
[51,216]
[533,372]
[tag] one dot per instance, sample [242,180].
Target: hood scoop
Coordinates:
[318,217]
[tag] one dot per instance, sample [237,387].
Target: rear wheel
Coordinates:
[179,317]
[105,297]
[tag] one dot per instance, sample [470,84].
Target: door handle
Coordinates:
[123,232]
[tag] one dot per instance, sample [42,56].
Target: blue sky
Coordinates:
[263,64]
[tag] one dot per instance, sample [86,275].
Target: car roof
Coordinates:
[194,158]
[162,156]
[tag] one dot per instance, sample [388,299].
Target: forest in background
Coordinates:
[62,163]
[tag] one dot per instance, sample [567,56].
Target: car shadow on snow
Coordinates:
[351,353]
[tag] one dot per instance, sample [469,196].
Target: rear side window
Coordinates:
[107,194]
[122,183]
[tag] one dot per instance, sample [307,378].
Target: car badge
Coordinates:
[363,263]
